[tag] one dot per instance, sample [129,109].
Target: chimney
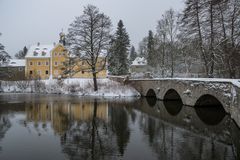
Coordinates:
[54,44]
[38,44]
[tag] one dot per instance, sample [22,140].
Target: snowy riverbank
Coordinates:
[81,87]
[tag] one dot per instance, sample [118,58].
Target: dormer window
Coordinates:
[37,49]
[43,53]
[35,53]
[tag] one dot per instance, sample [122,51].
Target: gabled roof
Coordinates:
[139,61]
[17,62]
[40,51]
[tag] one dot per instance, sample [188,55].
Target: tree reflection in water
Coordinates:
[100,129]
[170,142]
[4,126]
[98,138]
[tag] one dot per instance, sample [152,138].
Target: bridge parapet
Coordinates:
[227,92]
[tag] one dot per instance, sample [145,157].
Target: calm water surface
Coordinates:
[49,127]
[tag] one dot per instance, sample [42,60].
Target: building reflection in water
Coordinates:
[93,129]
[61,115]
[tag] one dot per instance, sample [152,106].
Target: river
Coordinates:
[37,127]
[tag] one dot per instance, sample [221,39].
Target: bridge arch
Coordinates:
[172,102]
[207,100]
[151,93]
[172,95]
[210,110]
[151,97]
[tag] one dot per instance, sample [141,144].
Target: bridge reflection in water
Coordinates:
[120,129]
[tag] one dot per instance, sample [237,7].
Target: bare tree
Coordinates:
[167,29]
[4,56]
[89,36]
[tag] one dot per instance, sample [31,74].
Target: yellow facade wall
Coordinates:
[58,55]
[85,71]
[37,68]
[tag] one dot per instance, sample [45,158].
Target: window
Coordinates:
[55,63]
[39,72]
[60,54]
[56,72]
[20,69]
[30,72]
[47,72]
[43,53]
[55,54]
[47,63]
[30,63]
[39,63]
[35,53]
[82,62]
[82,72]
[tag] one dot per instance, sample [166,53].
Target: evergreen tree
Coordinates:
[4,56]
[22,53]
[133,54]
[118,59]
[142,50]
[151,57]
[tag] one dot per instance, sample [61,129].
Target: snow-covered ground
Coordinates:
[82,87]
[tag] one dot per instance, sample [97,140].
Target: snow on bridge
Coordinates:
[192,91]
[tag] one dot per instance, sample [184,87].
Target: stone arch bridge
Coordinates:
[192,92]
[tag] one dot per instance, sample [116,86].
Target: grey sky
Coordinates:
[26,22]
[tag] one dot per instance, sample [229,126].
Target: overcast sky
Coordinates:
[26,22]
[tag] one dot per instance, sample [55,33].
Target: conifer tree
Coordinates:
[133,54]
[118,58]
[4,56]
[151,58]
[22,53]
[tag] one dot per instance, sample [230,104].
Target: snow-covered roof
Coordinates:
[14,63]
[17,62]
[40,51]
[139,61]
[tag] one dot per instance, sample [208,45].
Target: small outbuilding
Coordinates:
[13,70]
[139,65]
